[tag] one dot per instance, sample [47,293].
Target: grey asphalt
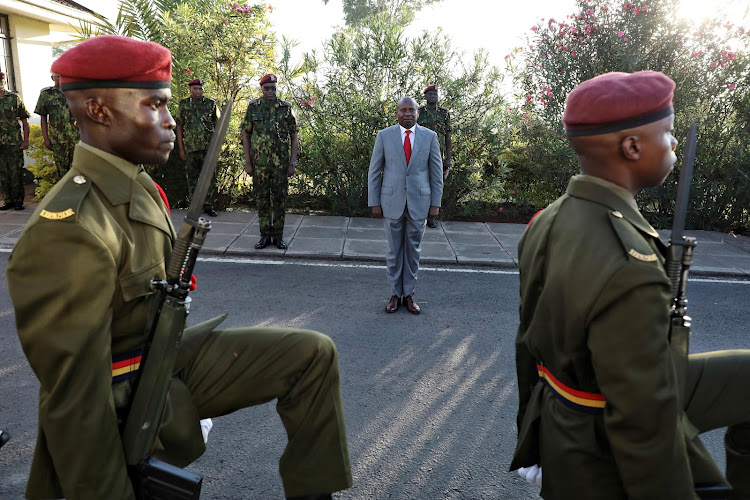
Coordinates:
[234,233]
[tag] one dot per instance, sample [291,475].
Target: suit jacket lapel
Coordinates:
[418,146]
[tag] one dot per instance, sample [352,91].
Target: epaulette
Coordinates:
[65,204]
[285,103]
[443,109]
[633,242]
[45,89]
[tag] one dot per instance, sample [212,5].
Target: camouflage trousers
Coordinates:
[193,165]
[11,173]
[270,184]
[63,156]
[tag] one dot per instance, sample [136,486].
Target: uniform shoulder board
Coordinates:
[285,103]
[46,89]
[633,242]
[65,204]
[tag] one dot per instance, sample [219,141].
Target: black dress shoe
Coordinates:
[280,244]
[7,206]
[19,206]
[262,243]
[431,223]
[211,212]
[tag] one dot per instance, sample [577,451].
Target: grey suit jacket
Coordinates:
[393,185]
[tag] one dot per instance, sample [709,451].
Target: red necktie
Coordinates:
[407,147]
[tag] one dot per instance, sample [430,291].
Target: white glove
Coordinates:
[532,475]
[206,425]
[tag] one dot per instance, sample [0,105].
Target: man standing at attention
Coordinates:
[13,141]
[438,120]
[405,184]
[196,119]
[269,137]
[601,407]
[79,278]
[59,129]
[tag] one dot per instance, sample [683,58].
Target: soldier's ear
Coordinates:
[630,148]
[97,111]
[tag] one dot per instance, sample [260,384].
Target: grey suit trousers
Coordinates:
[404,237]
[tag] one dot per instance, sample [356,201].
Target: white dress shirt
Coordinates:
[411,137]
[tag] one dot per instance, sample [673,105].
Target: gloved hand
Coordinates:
[532,475]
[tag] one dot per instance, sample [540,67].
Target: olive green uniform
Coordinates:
[197,117]
[269,127]
[61,126]
[595,316]
[439,121]
[79,278]
[12,110]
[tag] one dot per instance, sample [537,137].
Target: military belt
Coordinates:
[587,402]
[126,365]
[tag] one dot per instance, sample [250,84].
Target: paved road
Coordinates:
[429,400]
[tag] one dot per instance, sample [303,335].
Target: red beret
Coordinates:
[431,87]
[195,81]
[110,61]
[618,101]
[268,78]
[2,74]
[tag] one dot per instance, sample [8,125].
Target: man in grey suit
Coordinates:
[405,185]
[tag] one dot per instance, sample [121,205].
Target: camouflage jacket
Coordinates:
[437,120]
[62,127]
[12,110]
[197,117]
[269,128]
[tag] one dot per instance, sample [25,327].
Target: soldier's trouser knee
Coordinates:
[270,184]
[242,367]
[11,173]
[193,166]
[718,397]
[63,156]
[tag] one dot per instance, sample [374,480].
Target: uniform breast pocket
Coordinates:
[256,117]
[138,283]
[9,114]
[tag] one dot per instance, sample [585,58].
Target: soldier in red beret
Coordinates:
[437,119]
[79,278]
[599,408]
[196,119]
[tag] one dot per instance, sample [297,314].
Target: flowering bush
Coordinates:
[713,89]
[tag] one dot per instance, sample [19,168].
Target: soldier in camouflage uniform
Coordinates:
[438,120]
[13,141]
[196,119]
[59,128]
[269,137]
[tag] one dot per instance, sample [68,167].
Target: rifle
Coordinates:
[153,479]
[678,262]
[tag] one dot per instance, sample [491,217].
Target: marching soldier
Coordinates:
[82,325]
[196,119]
[438,120]
[13,141]
[59,129]
[269,137]
[600,406]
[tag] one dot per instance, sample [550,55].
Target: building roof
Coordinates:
[75,5]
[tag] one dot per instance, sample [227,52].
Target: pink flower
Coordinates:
[507,56]
[573,53]
[732,86]
[604,8]
[499,209]
[620,33]
[589,12]
[564,48]
[626,39]
[549,94]
[534,28]
[270,7]
[644,8]
[531,47]
[636,11]
[512,191]
[713,64]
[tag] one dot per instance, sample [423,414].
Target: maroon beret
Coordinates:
[268,78]
[2,74]
[110,61]
[195,81]
[431,87]
[618,101]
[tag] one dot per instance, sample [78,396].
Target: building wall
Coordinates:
[32,56]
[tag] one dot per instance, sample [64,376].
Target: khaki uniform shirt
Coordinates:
[79,278]
[270,128]
[594,313]
[12,110]
[62,127]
